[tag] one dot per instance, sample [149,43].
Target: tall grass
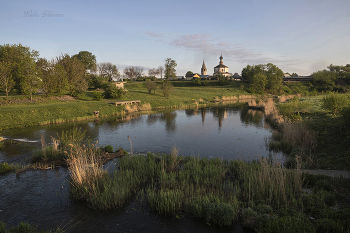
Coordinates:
[292,135]
[204,188]
[267,183]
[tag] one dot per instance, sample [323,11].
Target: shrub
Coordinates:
[334,102]
[150,85]
[167,88]
[109,149]
[97,95]
[5,167]
[196,82]
[113,92]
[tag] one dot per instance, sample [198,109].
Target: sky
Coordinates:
[298,36]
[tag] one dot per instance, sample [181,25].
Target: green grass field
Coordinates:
[16,115]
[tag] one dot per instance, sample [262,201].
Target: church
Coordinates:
[219,69]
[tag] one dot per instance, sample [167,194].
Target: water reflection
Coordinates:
[252,117]
[229,132]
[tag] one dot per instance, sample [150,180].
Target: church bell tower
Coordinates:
[204,69]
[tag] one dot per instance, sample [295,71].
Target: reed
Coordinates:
[5,167]
[267,182]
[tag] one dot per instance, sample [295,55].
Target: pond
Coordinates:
[42,197]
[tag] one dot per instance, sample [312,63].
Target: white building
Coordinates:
[222,69]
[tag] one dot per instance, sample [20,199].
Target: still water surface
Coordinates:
[42,197]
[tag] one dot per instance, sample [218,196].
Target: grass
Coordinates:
[262,194]
[322,138]
[50,110]
[23,227]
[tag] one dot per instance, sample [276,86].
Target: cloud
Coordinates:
[234,52]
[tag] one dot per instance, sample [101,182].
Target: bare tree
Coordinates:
[154,72]
[139,70]
[107,69]
[161,70]
[132,72]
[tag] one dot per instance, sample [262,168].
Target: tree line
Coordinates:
[22,69]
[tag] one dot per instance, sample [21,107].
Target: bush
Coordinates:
[109,149]
[97,95]
[196,82]
[150,85]
[113,92]
[334,102]
[167,88]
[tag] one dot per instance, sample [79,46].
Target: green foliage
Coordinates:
[261,77]
[54,77]
[6,81]
[222,79]
[196,82]
[293,108]
[167,88]
[288,224]
[87,58]
[257,83]
[109,149]
[170,72]
[75,136]
[324,80]
[22,66]
[75,74]
[150,85]
[5,167]
[23,227]
[48,154]
[113,92]
[97,95]
[189,72]
[335,102]
[95,81]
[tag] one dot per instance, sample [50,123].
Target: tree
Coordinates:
[271,77]
[161,70]
[294,75]
[22,64]
[274,77]
[170,72]
[343,72]
[87,58]
[188,72]
[6,81]
[154,72]
[53,76]
[150,85]
[324,80]
[132,72]
[31,81]
[107,69]
[167,88]
[75,74]
[257,84]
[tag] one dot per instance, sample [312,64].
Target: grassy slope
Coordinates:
[332,151]
[22,115]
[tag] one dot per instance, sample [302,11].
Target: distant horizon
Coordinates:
[298,36]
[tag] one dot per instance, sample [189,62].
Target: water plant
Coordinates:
[5,167]
[25,227]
